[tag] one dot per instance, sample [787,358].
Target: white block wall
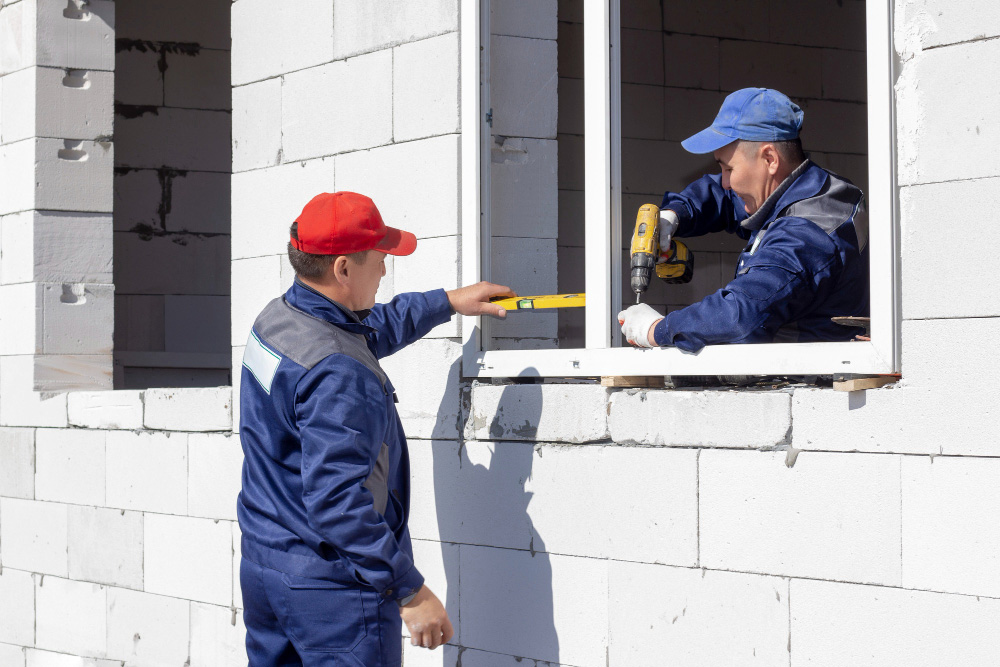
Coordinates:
[564,523]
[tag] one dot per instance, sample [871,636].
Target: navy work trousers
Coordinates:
[298,622]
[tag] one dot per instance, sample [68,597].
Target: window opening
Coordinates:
[667,68]
[173,123]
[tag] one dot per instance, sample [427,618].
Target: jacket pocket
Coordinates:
[323,616]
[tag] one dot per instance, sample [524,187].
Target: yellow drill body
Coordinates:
[645,252]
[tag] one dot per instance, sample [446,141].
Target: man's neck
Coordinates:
[332,292]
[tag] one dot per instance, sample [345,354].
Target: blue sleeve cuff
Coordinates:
[441,309]
[660,333]
[405,586]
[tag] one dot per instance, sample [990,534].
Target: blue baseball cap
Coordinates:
[752,114]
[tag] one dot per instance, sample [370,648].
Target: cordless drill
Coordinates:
[679,265]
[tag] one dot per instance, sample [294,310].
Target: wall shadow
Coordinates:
[510,610]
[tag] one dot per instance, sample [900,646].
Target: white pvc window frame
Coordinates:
[602,142]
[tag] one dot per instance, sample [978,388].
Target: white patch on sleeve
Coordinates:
[260,361]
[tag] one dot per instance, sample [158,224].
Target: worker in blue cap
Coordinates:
[806,257]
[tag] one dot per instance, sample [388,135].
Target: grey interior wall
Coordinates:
[173,164]
[679,61]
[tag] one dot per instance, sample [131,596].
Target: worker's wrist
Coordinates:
[408,599]
[658,333]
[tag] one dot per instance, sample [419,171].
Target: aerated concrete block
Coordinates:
[360,26]
[523,87]
[17,451]
[216,640]
[348,122]
[69,466]
[138,77]
[642,57]
[78,318]
[524,191]
[74,175]
[74,104]
[76,35]
[260,219]
[71,247]
[577,507]
[214,475]
[188,558]
[70,617]
[270,39]
[845,75]
[33,536]
[105,546]
[147,471]
[949,507]
[20,328]
[14,656]
[426,202]
[236,544]
[840,127]
[144,628]
[944,128]
[548,413]
[657,611]
[73,372]
[744,20]
[198,81]
[185,139]
[840,624]
[642,111]
[435,490]
[188,264]
[796,71]
[257,125]
[700,419]
[425,375]
[424,97]
[692,62]
[191,409]
[18,105]
[17,177]
[940,24]
[175,22]
[829,516]
[824,23]
[958,292]
[17,613]
[509,605]
[20,404]
[112,410]
[196,323]
[433,265]
[18,28]
[200,203]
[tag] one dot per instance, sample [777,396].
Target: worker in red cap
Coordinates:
[327,567]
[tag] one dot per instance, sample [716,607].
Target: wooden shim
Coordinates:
[643,381]
[859,384]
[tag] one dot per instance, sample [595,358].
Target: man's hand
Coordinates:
[669,222]
[475,299]
[637,324]
[427,620]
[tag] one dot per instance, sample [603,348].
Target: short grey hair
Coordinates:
[790,151]
[308,265]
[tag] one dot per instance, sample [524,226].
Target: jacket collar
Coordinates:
[314,304]
[806,181]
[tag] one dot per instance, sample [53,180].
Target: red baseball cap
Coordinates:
[341,223]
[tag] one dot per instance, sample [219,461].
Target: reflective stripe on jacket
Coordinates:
[326,477]
[806,260]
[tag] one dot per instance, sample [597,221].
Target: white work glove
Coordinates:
[636,322]
[669,222]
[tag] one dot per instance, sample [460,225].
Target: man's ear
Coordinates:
[771,156]
[339,270]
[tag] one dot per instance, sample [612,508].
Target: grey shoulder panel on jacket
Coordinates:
[307,340]
[838,202]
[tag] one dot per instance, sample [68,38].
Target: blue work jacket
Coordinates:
[805,261]
[326,474]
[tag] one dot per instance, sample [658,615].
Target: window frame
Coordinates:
[603,355]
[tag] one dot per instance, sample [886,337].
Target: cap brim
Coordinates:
[706,141]
[397,242]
